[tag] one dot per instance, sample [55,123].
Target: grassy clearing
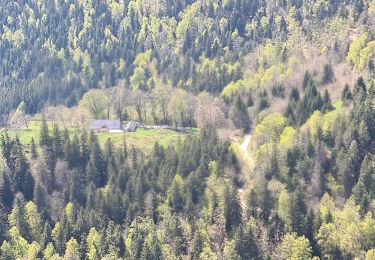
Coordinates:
[142,138]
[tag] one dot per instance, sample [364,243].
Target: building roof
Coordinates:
[131,126]
[109,124]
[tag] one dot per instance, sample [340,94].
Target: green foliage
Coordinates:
[361,50]
[96,102]
[134,199]
[176,194]
[293,247]
[272,125]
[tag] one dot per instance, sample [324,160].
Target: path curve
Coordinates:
[245,145]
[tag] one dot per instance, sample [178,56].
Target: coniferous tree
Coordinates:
[6,196]
[232,209]
[310,102]
[328,75]
[327,102]
[85,150]
[306,79]
[40,196]
[57,146]
[33,151]
[346,94]
[245,243]
[44,137]
[240,115]
[75,155]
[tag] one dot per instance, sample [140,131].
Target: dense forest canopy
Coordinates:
[52,52]
[272,103]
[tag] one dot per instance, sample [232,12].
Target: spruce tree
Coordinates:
[33,151]
[240,115]
[6,196]
[346,94]
[245,243]
[232,209]
[44,138]
[327,105]
[57,147]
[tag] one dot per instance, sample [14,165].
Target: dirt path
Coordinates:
[246,161]
[244,147]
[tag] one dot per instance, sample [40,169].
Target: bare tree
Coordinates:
[122,100]
[62,175]
[139,98]
[191,101]
[162,95]
[153,104]
[78,117]
[56,205]
[208,112]
[178,107]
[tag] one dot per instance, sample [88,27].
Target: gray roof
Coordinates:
[131,126]
[109,124]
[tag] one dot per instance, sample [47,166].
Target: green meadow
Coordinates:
[143,139]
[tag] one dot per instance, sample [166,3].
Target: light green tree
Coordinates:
[17,247]
[272,126]
[294,247]
[176,194]
[93,240]
[33,221]
[72,250]
[95,101]
[370,255]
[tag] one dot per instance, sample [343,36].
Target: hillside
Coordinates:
[52,53]
[277,98]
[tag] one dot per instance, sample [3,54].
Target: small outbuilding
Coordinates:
[131,126]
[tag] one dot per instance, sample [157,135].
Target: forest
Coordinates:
[276,101]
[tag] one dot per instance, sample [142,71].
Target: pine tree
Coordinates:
[59,238]
[328,75]
[85,150]
[306,79]
[240,115]
[327,102]
[92,173]
[250,101]
[346,94]
[245,243]
[40,196]
[252,204]
[33,151]
[96,165]
[44,138]
[264,201]
[72,250]
[6,196]
[232,209]
[371,67]
[75,155]
[57,146]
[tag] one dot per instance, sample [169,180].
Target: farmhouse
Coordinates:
[106,126]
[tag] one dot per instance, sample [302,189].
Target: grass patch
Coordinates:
[142,138]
